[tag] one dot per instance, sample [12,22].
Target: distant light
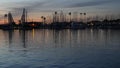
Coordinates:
[33,24]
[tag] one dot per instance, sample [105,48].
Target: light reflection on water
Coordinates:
[60,48]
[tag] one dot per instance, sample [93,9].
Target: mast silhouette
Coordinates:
[10,18]
[24,17]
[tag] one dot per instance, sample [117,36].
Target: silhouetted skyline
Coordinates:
[38,8]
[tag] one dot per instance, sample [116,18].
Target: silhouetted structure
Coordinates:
[10,24]
[70,16]
[10,19]
[59,22]
[24,17]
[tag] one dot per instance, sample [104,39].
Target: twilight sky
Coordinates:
[37,8]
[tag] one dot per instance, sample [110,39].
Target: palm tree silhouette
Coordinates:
[84,17]
[84,13]
[55,16]
[70,16]
[5,16]
[42,18]
[81,16]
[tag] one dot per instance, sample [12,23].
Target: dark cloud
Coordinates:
[45,5]
[37,4]
[91,3]
[28,5]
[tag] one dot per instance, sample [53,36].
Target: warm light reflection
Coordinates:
[33,24]
[33,33]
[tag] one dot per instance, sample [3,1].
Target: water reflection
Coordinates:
[8,37]
[61,38]
[60,48]
[10,34]
[23,37]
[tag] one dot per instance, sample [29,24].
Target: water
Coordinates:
[60,49]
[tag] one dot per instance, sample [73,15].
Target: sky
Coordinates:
[38,8]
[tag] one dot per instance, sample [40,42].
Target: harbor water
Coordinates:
[45,48]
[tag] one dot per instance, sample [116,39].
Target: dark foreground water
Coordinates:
[60,49]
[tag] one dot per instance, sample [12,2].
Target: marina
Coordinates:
[24,24]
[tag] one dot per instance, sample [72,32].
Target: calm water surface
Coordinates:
[60,49]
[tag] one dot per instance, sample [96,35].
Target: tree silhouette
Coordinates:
[55,12]
[81,13]
[5,16]
[84,13]
[84,17]
[55,16]
[70,15]
[81,16]
[42,18]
